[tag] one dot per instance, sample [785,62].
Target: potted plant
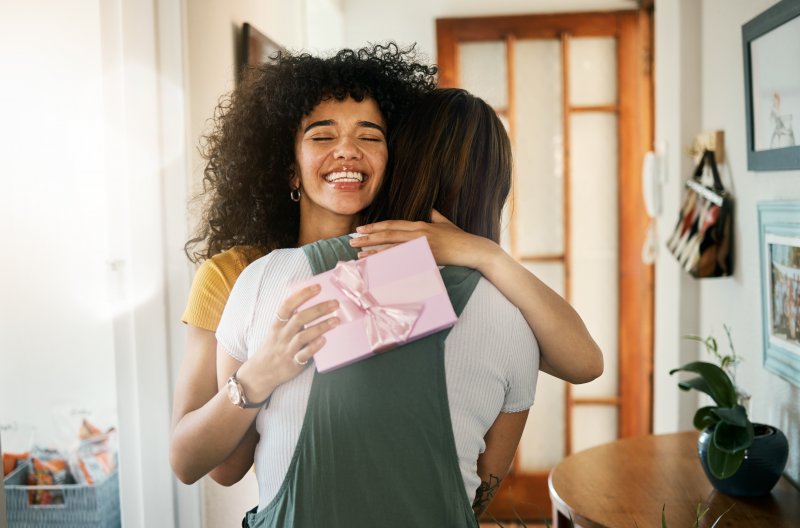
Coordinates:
[739,457]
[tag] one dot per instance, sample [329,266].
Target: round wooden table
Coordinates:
[626,483]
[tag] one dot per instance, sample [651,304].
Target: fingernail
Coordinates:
[333,304]
[362,254]
[333,321]
[361,229]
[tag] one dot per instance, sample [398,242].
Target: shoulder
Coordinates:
[213,283]
[231,262]
[274,270]
[496,316]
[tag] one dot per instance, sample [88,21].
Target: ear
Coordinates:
[294,179]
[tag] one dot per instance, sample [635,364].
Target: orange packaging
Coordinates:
[12,460]
[47,472]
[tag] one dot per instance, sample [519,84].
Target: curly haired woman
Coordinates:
[248,211]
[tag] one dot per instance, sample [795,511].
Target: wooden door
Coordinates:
[575,92]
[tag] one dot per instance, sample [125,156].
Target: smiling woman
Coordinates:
[341,157]
[291,132]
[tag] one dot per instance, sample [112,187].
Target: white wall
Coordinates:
[83,321]
[737,301]
[55,316]
[715,100]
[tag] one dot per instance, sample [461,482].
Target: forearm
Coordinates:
[490,483]
[567,349]
[239,462]
[502,440]
[205,438]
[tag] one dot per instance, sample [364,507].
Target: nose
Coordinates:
[347,148]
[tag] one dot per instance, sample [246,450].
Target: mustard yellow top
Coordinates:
[213,283]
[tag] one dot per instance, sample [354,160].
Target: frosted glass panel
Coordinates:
[538,154]
[595,238]
[550,273]
[594,172]
[593,425]
[542,443]
[483,70]
[592,71]
[595,288]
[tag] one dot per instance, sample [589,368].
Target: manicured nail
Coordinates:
[333,321]
[361,229]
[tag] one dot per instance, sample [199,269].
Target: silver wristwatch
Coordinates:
[237,396]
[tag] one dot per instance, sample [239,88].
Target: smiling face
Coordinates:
[341,155]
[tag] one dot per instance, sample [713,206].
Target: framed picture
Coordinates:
[771,43]
[256,48]
[779,237]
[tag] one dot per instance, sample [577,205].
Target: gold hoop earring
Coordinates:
[294,195]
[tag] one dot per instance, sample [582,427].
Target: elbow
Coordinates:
[184,475]
[181,469]
[594,367]
[224,477]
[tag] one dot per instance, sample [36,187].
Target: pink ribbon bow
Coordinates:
[386,325]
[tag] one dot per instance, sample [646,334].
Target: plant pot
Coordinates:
[762,465]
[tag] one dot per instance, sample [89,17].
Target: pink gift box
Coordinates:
[406,274]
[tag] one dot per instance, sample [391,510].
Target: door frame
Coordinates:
[633,29]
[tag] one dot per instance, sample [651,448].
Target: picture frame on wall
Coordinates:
[779,242]
[256,48]
[771,44]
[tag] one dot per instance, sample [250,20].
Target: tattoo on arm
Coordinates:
[485,494]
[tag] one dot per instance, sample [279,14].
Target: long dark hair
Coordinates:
[451,153]
[250,150]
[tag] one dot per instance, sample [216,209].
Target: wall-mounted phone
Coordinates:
[652,178]
[651,185]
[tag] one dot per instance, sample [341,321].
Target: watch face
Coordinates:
[233,392]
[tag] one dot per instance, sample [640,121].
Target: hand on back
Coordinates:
[451,246]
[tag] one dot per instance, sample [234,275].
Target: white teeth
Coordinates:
[344,177]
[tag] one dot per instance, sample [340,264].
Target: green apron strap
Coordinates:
[376,447]
[324,254]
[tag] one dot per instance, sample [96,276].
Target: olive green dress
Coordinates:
[376,448]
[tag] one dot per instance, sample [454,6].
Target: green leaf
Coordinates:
[696,384]
[663,516]
[721,464]
[733,415]
[705,417]
[719,385]
[732,438]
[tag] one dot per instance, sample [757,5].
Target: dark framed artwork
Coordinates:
[256,48]
[779,241]
[771,44]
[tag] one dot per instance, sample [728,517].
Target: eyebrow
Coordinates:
[331,122]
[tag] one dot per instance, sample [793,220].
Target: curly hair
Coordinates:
[250,150]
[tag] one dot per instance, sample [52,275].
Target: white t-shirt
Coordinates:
[491,366]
